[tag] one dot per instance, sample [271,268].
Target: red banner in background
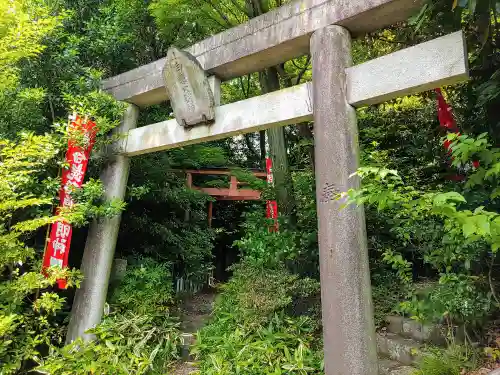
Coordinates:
[448,123]
[272,206]
[77,157]
[445,116]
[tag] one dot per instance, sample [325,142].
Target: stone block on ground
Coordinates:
[409,328]
[394,323]
[406,351]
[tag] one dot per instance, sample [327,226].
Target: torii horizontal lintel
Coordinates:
[439,62]
[270,39]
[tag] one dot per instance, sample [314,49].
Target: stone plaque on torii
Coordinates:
[187,86]
[324,29]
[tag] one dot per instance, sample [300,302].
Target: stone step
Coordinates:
[397,348]
[389,367]
[409,328]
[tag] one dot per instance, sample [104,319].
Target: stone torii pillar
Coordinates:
[347,311]
[88,306]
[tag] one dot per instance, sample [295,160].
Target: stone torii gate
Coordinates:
[323,28]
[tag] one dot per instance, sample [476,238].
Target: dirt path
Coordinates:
[185,368]
[195,313]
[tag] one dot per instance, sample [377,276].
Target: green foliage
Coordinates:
[257,291]
[284,346]
[26,328]
[138,338]
[155,223]
[146,287]
[125,344]
[439,365]
[264,246]
[402,267]
[461,237]
[30,311]
[23,25]
[251,332]
[450,361]
[294,245]
[27,194]
[435,227]
[456,298]
[387,293]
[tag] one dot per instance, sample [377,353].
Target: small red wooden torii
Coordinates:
[232,193]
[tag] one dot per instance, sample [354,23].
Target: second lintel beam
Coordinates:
[439,62]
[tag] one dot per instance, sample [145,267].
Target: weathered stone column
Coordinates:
[348,326]
[99,250]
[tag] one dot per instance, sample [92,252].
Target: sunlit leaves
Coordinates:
[451,197]
[23,25]
[49,303]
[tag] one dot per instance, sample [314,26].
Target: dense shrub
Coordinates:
[125,344]
[455,360]
[251,332]
[140,337]
[145,288]
[456,239]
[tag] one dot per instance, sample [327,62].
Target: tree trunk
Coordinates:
[262,141]
[306,133]
[269,81]
[303,128]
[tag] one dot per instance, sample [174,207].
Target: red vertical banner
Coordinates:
[81,140]
[448,123]
[445,116]
[271,206]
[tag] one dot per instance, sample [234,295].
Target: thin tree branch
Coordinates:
[232,12]
[497,33]
[210,16]
[283,74]
[296,65]
[240,8]
[246,94]
[257,8]
[242,85]
[52,113]
[304,70]
[219,12]
[250,147]
[262,140]
[248,85]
